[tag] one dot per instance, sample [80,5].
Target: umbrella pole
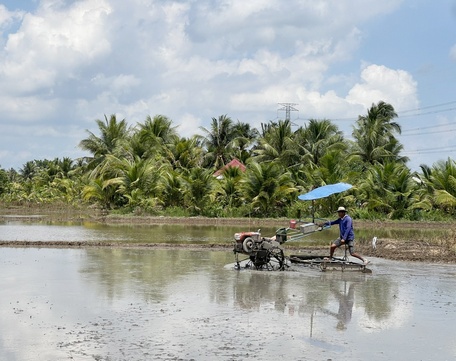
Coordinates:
[313,211]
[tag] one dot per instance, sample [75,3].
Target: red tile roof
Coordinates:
[234,163]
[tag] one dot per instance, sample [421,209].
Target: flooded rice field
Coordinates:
[113,303]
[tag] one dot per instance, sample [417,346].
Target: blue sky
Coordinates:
[65,63]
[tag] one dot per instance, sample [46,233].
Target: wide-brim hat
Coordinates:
[341,209]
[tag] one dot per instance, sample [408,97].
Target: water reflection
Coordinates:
[167,304]
[149,271]
[13,230]
[346,300]
[314,295]
[303,292]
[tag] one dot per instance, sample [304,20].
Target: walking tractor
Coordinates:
[267,253]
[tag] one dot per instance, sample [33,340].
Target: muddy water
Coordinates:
[94,232]
[160,304]
[181,304]
[42,230]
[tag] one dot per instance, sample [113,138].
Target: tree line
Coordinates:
[149,169]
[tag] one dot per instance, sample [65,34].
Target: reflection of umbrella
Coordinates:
[322,192]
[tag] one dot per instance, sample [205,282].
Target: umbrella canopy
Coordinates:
[324,191]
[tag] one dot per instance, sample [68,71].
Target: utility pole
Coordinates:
[288,107]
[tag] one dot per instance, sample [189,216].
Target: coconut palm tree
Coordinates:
[97,190]
[171,188]
[185,153]
[227,189]
[440,181]
[218,141]
[28,170]
[67,190]
[375,135]
[267,188]
[332,168]
[317,138]
[4,181]
[277,144]
[113,133]
[389,189]
[124,180]
[394,147]
[245,138]
[66,167]
[197,188]
[129,174]
[156,134]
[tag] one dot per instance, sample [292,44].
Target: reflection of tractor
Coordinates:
[267,252]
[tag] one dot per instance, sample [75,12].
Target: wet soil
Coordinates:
[405,250]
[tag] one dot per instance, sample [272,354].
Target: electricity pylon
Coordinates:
[288,107]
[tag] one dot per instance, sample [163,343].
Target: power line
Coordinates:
[288,107]
[427,113]
[428,107]
[426,133]
[429,127]
[431,150]
[401,112]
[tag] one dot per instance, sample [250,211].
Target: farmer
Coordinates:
[346,235]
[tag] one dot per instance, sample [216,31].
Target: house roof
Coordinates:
[235,163]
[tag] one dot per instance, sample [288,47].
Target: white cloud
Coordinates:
[378,82]
[7,18]
[51,44]
[71,62]
[121,83]
[187,125]
[396,87]
[27,108]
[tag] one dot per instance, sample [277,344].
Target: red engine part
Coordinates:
[246,240]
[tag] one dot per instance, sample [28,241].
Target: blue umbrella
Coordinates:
[322,192]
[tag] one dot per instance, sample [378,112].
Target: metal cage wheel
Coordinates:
[277,258]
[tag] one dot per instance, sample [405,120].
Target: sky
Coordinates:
[64,64]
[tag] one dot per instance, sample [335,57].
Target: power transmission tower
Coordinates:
[288,107]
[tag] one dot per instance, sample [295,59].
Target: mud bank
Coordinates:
[403,250]
[69,244]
